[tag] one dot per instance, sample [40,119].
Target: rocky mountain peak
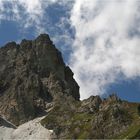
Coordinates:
[33,75]
[43,38]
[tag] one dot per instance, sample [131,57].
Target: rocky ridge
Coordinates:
[95,118]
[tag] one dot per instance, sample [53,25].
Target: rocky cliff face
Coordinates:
[34,81]
[32,76]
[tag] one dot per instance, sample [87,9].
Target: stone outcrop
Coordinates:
[91,104]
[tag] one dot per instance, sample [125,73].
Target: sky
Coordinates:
[99,39]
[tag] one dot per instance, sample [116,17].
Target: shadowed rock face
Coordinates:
[5,123]
[32,76]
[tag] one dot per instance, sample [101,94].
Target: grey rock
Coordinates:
[33,74]
[91,104]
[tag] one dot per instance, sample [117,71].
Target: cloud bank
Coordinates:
[27,13]
[103,36]
[107,44]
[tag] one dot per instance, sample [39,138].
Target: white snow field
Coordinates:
[31,130]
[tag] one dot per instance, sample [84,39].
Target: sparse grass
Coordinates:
[133,131]
[82,122]
[79,125]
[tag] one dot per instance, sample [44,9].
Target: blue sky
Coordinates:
[94,37]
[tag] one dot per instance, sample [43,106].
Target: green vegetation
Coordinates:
[73,125]
[70,124]
[81,122]
[133,131]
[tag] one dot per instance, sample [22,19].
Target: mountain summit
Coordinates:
[39,98]
[32,75]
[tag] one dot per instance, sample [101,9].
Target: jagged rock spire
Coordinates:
[33,75]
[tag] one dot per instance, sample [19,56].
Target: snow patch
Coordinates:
[31,130]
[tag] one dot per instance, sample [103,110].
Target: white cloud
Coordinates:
[33,13]
[104,46]
[27,13]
